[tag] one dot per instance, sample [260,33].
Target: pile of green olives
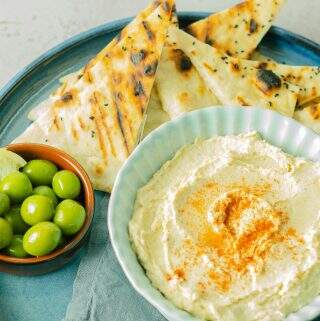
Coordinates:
[39,210]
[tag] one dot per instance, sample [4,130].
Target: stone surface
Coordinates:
[29,28]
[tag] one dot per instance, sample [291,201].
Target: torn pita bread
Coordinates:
[69,80]
[309,116]
[235,81]
[186,90]
[238,30]
[66,82]
[306,77]
[98,120]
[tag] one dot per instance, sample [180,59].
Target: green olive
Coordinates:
[37,208]
[13,216]
[62,241]
[17,186]
[40,171]
[6,233]
[41,239]
[15,248]
[66,184]
[70,216]
[4,203]
[46,191]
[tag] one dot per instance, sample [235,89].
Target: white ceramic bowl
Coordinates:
[161,145]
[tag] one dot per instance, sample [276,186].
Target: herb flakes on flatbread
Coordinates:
[306,77]
[69,80]
[98,119]
[238,30]
[186,90]
[234,80]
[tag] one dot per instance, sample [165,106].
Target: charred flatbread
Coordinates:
[98,119]
[309,116]
[236,31]
[234,80]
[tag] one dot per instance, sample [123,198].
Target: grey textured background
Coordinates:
[28,28]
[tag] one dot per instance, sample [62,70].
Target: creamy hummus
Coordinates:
[229,230]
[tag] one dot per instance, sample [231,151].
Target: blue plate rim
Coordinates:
[120,23]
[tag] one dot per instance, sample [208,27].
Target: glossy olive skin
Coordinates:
[40,172]
[41,239]
[46,191]
[69,216]
[62,242]
[4,203]
[36,209]
[15,248]
[13,216]
[6,233]
[17,186]
[66,184]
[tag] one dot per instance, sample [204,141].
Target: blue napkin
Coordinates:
[101,291]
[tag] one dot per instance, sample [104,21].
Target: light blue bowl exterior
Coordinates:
[161,145]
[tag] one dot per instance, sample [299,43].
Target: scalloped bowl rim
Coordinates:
[165,306]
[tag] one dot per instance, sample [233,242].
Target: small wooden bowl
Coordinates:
[58,258]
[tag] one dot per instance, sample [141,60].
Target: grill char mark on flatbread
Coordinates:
[66,97]
[150,69]
[138,87]
[98,115]
[241,11]
[100,127]
[235,67]
[138,57]
[142,67]
[148,30]
[309,116]
[124,124]
[56,123]
[253,26]
[306,77]
[185,92]
[268,80]
[81,123]
[102,116]
[111,106]
[69,98]
[182,62]
[122,128]
[67,84]
[237,30]
[244,85]
[87,76]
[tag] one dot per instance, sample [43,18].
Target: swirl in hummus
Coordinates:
[229,229]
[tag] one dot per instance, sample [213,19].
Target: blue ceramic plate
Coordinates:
[161,145]
[34,83]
